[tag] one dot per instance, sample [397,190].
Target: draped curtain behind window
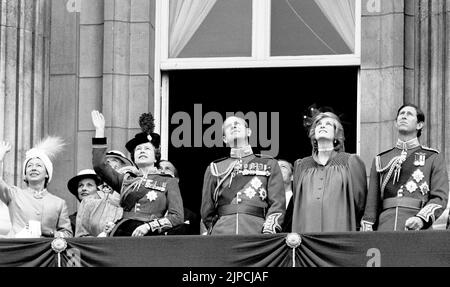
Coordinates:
[341,14]
[185,18]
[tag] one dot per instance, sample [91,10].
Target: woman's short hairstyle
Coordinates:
[339,138]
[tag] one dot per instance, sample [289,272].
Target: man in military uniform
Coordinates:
[243,193]
[408,186]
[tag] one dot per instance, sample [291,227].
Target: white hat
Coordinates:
[45,150]
[72,184]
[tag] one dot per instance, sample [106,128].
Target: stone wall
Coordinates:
[24,63]
[404,58]
[101,58]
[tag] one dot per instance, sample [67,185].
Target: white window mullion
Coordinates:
[161,79]
[164,116]
[267,27]
[161,53]
[358,113]
[164,29]
[259,35]
[159,15]
[358,29]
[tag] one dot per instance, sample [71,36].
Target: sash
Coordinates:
[240,177]
[133,189]
[408,168]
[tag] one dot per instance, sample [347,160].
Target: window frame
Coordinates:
[260,58]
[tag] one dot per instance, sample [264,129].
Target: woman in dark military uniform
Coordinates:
[151,200]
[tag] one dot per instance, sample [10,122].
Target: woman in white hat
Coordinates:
[35,212]
[97,208]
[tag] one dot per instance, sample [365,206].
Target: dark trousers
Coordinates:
[125,227]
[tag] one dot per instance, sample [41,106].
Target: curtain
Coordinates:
[185,18]
[349,249]
[341,14]
[27,253]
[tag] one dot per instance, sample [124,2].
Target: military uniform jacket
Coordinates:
[154,198]
[243,196]
[422,179]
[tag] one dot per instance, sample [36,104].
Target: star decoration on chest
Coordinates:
[418,175]
[424,188]
[411,186]
[152,195]
[256,183]
[249,192]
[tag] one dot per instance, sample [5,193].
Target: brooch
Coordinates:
[152,195]
[411,186]
[424,188]
[418,175]
[256,183]
[262,193]
[249,192]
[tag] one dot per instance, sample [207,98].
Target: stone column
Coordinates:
[24,47]
[404,58]
[427,70]
[382,74]
[64,91]
[128,67]
[101,58]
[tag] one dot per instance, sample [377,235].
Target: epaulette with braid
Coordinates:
[219,160]
[430,149]
[264,156]
[386,151]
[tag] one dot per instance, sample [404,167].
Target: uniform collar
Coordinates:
[412,143]
[241,152]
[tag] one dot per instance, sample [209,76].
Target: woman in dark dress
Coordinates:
[330,185]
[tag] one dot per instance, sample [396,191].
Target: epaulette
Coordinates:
[264,156]
[215,170]
[162,173]
[430,149]
[219,160]
[386,151]
[128,169]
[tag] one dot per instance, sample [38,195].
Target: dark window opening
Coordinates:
[289,92]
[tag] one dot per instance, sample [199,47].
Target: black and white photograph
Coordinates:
[240,134]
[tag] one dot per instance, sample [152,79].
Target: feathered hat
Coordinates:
[46,150]
[146,122]
[309,115]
